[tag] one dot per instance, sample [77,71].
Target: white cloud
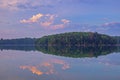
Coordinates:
[50,24]
[33,19]
[11,4]
[58,26]
[65,21]
[62,25]
[112,24]
[26,4]
[47,21]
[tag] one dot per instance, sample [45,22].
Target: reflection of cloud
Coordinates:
[33,69]
[46,67]
[65,65]
[109,61]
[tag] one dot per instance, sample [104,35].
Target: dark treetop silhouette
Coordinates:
[77,39]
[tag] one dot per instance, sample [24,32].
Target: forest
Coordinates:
[77,39]
[17,42]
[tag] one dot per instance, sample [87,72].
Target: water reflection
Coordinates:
[18,47]
[68,51]
[34,65]
[78,52]
[47,67]
[33,69]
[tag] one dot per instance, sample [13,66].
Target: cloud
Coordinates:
[64,24]
[65,21]
[26,4]
[33,19]
[106,19]
[112,24]
[109,27]
[11,4]
[58,26]
[47,21]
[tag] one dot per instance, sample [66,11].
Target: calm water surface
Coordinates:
[35,65]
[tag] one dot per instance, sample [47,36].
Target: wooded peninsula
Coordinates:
[78,39]
[67,39]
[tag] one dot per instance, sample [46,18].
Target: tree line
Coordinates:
[66,39]
[77,39]
[20,41]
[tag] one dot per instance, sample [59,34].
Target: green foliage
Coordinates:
[117,39]
[77,39]
[21,41]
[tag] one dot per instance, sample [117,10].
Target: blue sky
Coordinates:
[36,18]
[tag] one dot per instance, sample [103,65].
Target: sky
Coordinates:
[37,18]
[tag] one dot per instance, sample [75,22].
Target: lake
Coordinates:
[59,63]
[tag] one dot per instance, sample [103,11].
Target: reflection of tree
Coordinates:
[77,52]
[68,51]
[18,47]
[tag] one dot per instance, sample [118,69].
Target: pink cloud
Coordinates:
[65,21]
[47,21]
[11,4]
[33,19]
[58,26]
